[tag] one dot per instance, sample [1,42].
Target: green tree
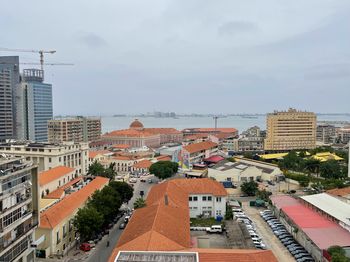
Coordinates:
[330,169]
[263,194]
[229,213]
[124,189]
[312,165]
[88,221]
[304,181]
[249,188]
[107,202]
[96,169]
[140,202]
[109,172]
[292,162]
[338,254]
[164,169]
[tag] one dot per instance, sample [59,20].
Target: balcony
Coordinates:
[22,231]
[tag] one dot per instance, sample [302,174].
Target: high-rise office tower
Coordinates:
[9,80]
[34,108]
[289,130]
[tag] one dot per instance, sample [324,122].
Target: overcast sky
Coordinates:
[204,56]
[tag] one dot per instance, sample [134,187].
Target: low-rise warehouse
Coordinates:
[310,228]
[244,170]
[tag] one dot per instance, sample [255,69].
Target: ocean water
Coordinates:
[238,122]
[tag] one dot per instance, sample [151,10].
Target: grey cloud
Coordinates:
[330,71]
[91,40]
[237,27]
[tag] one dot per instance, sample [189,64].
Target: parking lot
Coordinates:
[213,240]
[271,241]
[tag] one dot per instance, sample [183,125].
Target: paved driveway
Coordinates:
[272,242]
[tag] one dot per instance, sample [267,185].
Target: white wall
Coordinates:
[212,207]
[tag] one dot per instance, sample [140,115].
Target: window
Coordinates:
[195,198]
[189,198]
[218,199]
[218,212]
[209,198]
[204,198]
[58,237]
[64,230]
[50,160]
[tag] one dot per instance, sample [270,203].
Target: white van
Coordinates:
[214,229]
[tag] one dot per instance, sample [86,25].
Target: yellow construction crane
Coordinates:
[41,53]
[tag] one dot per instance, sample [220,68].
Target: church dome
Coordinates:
[136,124]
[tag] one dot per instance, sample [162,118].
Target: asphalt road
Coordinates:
[101,252]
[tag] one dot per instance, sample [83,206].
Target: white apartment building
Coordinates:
[207,205]
[19,208]
[47,156]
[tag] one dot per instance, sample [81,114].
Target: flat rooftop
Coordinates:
[322,232]
[330,205]
[227,165]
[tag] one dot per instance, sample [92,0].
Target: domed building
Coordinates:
[136,124]
[138,136]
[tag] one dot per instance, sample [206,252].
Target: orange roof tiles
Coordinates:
[223,130]
[163,131]
[163,158]
[68,205]
[123,157]
[167,204]
[121,146]
[53,174]
[149,229]
[129,133]
[200,186]
[340,191]
[143,164]
[58,193]
[93,154]
[196,136]
[197,147]
[234,255]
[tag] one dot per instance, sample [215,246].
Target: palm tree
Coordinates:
[140,202]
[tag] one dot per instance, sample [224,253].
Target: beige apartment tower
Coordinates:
[78,129]
[289,130]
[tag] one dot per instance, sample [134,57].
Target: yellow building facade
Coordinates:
[290,130]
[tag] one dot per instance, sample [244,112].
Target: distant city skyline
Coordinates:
[187,56]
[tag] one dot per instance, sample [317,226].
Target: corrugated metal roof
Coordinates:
[330,205]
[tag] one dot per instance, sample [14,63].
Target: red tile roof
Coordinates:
[93,154]
[163,158]
[52,216]
[214,159]
[129,133]
[58,193]
[167,204]
[121,146]
[200,186]
[54,174]
[340,191]
[210,130]
[143,164]
[149,229]
[196,136]
[234,255]
[163,131]
[197,147]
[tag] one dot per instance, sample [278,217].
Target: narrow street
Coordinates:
[101,252]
